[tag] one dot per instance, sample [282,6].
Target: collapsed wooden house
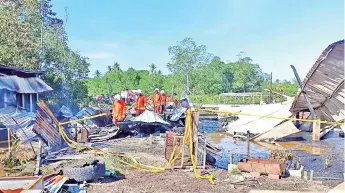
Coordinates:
[324,85]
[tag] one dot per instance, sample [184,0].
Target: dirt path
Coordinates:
[151,153]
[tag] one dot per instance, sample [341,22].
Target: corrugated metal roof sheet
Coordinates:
[19,121]
[47,131]
[325,85]
[23,85]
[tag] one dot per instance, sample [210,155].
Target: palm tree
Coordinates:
[97,73]
[153,68]
[110,68]
[159,72]
[116,67]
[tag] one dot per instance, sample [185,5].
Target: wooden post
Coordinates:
[316,130]
[9,141]
[195,134]
[204,154]
[248,143]
[38,163]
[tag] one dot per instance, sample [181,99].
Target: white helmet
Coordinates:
[139,91]
[117,97]
[162,91]
[156,89]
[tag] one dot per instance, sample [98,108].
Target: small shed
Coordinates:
[325,85]
[21,88]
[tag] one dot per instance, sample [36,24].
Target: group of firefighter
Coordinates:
[159,100]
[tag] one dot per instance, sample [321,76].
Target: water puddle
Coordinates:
[239,149]
[297,146]
[310,154]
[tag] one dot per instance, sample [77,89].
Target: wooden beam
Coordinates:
[310,107]
[316,131]
[195,134]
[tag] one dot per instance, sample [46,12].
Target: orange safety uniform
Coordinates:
[140,104]
[164,99]
[119,111]
[172,99]
[156,100]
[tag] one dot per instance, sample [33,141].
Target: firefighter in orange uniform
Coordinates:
[119,109]
[156,100]
[140,103]
[164,98]
[172,99]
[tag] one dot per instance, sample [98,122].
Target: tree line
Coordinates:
[32,37]
[193,71]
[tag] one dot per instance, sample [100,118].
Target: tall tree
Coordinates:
[247,76]
[187,55]
[109,68]
[116,67]
[153,68]
[97,73]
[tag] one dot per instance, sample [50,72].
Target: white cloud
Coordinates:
[99,55]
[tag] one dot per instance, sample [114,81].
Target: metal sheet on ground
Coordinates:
[285,129]
[257,125]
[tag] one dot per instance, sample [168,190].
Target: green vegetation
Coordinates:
[193,69]
[20,37]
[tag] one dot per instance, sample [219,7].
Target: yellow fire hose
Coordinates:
[187,136]
[135,164]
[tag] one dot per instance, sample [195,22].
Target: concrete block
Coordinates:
[296,173]
[305,175]
[231,166]
[255,174]
[273,177]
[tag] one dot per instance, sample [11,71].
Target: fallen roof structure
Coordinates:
[259,125]
[19,121]
[282,130]
[324,85]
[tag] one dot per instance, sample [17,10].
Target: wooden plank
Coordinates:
[195,134]
[316,131]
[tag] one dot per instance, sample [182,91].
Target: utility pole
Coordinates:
[42,30]
[270,95]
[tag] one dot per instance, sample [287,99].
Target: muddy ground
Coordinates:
[151,152]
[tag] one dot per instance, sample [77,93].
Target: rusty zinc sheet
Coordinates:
[47,131]
[325,85]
